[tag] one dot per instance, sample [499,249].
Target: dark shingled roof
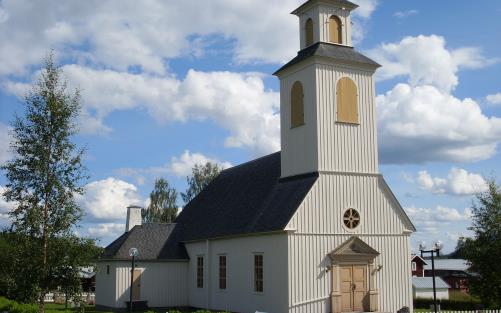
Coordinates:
[340,53]
[246,199]
[148,238]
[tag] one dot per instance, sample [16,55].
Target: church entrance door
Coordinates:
[353,288]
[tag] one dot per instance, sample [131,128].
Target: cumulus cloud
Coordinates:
[427,61]
[458,182]
[420,124]
[122,34]
[429,220]
[101,230]
[421,120]
[5,152]
[494,98]
[237,102]
[179,166]
[107,199]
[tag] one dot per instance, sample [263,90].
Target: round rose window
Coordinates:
[351,218]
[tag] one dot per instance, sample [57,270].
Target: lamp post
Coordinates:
[133,252]
[436,249]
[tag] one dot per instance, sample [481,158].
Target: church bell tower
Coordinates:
[327,96]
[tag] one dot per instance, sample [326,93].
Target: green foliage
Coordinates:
[201,176]
[485,247]
[7,305]
[44,177]
[421,303]
[162,208]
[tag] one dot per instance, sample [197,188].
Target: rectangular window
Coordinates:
[258,273]
[107,269]
[200,272]
[413,266]
[222,272]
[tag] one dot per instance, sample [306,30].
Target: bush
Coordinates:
[5,304]
[420,303]
[14,307]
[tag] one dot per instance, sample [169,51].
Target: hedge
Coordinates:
[421,303]
[14,307]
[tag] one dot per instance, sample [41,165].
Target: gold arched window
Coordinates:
[335,29]
[346,99]
[297,105]
[309,32]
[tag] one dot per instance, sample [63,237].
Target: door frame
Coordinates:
[353,252]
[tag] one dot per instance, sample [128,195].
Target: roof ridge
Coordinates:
[251,161]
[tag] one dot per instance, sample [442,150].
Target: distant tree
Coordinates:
[44,176]
[484,250]
[162,208]
[201,176]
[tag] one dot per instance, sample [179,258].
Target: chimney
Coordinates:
[133,217]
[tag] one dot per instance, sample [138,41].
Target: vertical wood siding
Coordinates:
[163,284]
[345,147]
[299,144]
[310,283]
[318,229]
[322,210]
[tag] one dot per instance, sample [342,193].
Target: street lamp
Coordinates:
[133,252]
[436,249]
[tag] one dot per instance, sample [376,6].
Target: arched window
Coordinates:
[309,32]
[335,29]
[347,107]
[297,105]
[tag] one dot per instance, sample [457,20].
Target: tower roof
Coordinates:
[339,3]
[340,53]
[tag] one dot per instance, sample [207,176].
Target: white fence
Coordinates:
[87,297]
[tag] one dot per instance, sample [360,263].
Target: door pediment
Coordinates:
[353,250]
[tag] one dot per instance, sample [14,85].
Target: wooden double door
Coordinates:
[354,291]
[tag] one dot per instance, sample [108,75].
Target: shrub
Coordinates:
[421,303]
[5,304]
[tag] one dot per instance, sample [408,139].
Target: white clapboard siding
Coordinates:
[310,283]
[163,284]
[322,143]
[323,208]
[346,147]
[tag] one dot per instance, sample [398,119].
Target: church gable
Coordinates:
[338,198]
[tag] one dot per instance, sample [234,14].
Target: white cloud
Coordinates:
[458,182]
[181,166]
[430,220]
[122,34]
[426,61]
[494,98]
[5,139]
[107,199]
[237,102]
[404,14]
[421,123]
[5,208]
[111,230]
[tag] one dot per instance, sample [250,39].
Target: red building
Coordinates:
[417,266]
[454,271]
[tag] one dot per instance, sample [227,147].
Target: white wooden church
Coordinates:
[312,228]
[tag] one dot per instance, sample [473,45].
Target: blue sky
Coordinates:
[167,84]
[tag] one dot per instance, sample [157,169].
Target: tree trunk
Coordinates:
[41,303]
